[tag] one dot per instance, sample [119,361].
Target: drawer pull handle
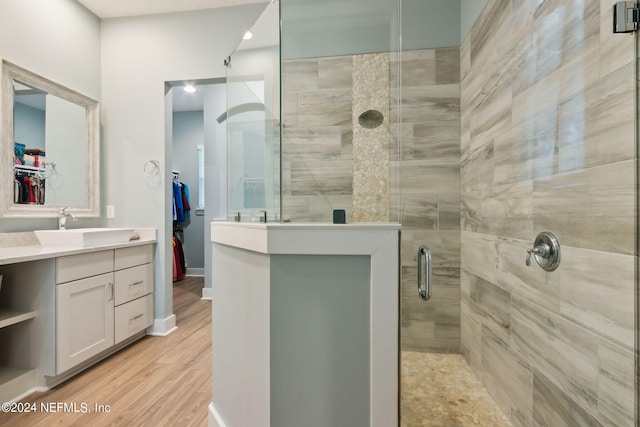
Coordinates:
[136,317]
[139,282]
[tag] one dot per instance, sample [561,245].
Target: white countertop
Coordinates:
[303,238]
[11,254]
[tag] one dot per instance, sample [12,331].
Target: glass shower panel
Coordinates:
[253,125]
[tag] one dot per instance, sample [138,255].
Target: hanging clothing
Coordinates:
[185,200]
[177,199]
[28,188]
[178,255]
[181,205]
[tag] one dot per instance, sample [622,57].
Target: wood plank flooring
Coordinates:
[157,381]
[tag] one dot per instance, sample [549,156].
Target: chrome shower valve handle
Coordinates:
[546,251]
[542,250]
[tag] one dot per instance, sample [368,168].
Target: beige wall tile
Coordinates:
[470,205]
[476,171]
[616,385]
[299,75]
[526,282]
[447,65]
[492,305]
[335,72]
[508,378]
[552,407]
[597,292]
[507,210]
[470,338]
[449,211]
[324,143]
[435,140]
[564,352]
[430,176]
[478,255]
[315,177]
[591,208]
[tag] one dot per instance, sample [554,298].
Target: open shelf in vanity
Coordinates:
[12,378]
[25,312]
[12,317]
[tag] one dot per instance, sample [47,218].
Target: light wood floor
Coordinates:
[157,381]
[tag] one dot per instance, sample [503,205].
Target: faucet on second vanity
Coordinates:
[62,218]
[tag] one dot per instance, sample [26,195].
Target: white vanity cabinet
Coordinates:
[102,298]
[64,308]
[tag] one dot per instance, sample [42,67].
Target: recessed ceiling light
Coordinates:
[247,35]
[189,88]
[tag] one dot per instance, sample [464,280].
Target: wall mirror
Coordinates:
[50,147]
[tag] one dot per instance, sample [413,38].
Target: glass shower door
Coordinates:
[253,125]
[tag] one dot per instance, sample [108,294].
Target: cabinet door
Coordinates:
[84,318]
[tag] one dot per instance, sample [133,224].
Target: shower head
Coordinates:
[371,119]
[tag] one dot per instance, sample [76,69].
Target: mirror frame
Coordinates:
[8,73]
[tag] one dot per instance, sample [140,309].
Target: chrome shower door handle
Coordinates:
[424,273]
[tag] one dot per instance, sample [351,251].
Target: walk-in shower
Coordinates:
[478,126]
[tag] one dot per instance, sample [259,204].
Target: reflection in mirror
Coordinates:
[50,133]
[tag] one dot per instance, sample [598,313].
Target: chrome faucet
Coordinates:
[62,218]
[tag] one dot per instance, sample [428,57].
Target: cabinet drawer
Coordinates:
[134,282]
[136,255]
[133,317]
[79,266]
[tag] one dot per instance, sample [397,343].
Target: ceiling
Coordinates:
[122,8]
[182,101]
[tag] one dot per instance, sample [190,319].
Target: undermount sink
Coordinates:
[84,237]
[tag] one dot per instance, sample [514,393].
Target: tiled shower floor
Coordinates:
[440,390]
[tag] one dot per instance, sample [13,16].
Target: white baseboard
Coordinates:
[207,293]
[195,272]
[214,419]
[162,327]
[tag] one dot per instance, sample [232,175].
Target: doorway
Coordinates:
[199,161]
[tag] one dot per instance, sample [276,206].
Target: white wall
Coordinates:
[60,40]
[139,55]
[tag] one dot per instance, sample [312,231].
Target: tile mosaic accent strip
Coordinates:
[370,146]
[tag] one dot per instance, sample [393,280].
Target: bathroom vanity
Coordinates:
[305,324]
[65,308]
